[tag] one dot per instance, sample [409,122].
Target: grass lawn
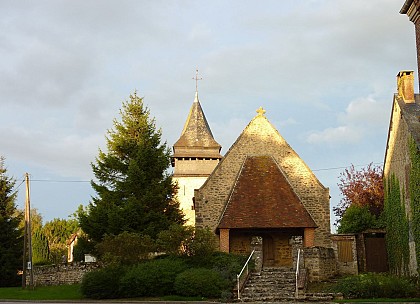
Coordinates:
[63,292]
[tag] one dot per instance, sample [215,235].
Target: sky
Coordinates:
[324,70]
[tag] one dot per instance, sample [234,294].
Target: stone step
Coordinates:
[271,285]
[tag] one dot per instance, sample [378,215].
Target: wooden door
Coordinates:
[268,251]
[376,256]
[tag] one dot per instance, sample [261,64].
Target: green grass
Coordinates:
[417,300]
[62,292]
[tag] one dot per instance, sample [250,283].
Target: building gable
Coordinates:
[260,138]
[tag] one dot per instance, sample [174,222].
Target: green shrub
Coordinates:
[126,248]
[103,283]
[152,278]
[200,282]
[371,285]
[228,264]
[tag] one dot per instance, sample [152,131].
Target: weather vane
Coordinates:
[196,78]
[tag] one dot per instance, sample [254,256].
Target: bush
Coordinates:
[103,283]
[152,278]
[200,282]
[371,285]
[173,241]
[228,264]
[125,248]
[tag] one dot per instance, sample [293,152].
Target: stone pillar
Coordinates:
[308,237]
[257,245]
[297,243]
[224,240]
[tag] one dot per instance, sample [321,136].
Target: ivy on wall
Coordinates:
[397,228]
[415,195]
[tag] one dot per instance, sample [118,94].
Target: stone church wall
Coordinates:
[63,274]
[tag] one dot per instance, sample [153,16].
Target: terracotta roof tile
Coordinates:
[263,198]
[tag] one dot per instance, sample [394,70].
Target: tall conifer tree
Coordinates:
[134,191]
[11,240]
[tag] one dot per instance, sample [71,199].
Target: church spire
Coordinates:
[196,140]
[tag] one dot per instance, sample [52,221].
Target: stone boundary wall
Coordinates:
[63,274]
[346,267]
[320,262]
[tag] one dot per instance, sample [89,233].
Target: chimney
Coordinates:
[405,85]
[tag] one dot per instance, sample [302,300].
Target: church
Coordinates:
[260,187]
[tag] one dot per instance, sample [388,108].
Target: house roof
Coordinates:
[196,139]
[263,198]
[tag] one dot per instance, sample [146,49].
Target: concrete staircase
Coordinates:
[272,285]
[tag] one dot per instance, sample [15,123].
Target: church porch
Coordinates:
[276,243]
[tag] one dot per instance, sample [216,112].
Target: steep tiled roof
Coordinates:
[196,138]
[263,198]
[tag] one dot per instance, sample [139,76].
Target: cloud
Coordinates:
[341,134]
[363,118]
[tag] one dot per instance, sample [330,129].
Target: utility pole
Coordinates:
[27,240]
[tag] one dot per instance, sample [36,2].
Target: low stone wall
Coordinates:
[61,274]
[320,262]
[345,249]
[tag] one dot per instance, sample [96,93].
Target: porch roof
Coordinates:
[263,198]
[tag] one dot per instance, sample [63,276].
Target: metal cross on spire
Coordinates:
[196,78]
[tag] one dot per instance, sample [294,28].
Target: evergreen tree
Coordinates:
[11,241]
[134,191]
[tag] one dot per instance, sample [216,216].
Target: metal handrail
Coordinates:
[297,273]
[247,272]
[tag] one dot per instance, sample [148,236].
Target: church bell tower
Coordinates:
[196,154]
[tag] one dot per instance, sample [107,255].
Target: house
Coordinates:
[262,188]
[402,178]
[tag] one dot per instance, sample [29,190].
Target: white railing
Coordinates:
[297,273]
[238,276]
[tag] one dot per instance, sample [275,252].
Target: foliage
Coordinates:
[57,232]
[11,236]
[40,248]
[202,245]
[361,188]
[152,278]
[175,240]
[82,247]
[125,248]
[356,219]
[397,228]
[200,282]
[134,191]
[373,285]
[103,283]
[227,264]
[415,195]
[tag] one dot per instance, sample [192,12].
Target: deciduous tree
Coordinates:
[134,192]
[362,188]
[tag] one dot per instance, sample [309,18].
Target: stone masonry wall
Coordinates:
[261,138]
[61,274]
[185,194]
[346,267]
[398,162]
[320,262]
